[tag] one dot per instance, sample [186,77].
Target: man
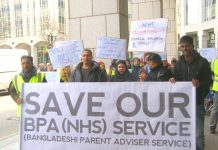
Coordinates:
[214,112]
[192,67]
[88,70]
[28,75]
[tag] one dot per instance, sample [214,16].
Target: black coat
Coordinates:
[135,73]
[199,69]
[95,74]
[159,73]
[126,77]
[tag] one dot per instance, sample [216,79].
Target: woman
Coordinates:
[122,74]
[65,74]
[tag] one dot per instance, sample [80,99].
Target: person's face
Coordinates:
[186,49]
[136,62]
[26,65]
[50,68]
[86,57]
[152,64]
[121,68]
[102,66]
[128,64]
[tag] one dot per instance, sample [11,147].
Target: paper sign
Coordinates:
[148,35]
[69,53]
[52,76]
[208,53]
[111,48]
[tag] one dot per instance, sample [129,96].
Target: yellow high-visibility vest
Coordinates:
[18,81]
[112,74]
[214,68]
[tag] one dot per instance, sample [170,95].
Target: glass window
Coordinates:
[210,9]
[211,40]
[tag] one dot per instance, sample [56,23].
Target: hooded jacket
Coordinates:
[199,69]
[125,77]
[95,74]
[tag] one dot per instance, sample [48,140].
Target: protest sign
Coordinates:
[69,53]
[97,116]
[148,35]
[208,53]
[112,48]
[52,76]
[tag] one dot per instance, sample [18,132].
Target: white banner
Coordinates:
[208,53]
[148,35]
[112,48]
[105,116]
[69,53]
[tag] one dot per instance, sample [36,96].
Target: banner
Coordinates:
[105,116]
[208,53]
[111,48]
[148,35]
[69,53]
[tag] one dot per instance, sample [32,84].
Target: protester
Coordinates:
[88,70]
[122,74]
[136,68]
[192,67]
[146,66]
[41,67]
[65,74]
[158,71]
[173,64]
[102,67]
[27,75]
[142,75]
[128,65]
[214,111]
[49,67]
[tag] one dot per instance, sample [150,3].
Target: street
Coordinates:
[9,127]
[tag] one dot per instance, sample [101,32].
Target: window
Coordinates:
[61,19]
[211,40]
[5,25]
[210,10]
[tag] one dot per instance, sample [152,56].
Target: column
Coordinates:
[202,37]
[169,12]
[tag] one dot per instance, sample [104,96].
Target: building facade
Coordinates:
[92,18]
[198,18]
[33,25]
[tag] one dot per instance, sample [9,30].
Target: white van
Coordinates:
[10,65]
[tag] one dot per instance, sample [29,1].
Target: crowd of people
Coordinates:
[189,67]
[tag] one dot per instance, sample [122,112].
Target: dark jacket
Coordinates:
[199,69]
[95,74]
[126,77]
[135,73]
[159,73]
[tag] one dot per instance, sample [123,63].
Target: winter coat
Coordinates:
[95,74]
[199,69]
[159,73]
[126,77]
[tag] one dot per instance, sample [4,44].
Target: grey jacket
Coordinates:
[95,74]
